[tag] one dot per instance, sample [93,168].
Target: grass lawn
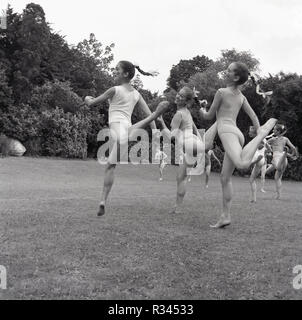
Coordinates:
[54,246]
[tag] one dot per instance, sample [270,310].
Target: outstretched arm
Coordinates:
[141,104]
[209,115]
[251,113]
[175,124]
[90,101]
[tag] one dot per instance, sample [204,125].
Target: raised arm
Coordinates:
[90,101]
[251,113]
[293,148]
[142,105]
[209,115]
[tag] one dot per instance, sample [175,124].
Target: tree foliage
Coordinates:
[186,68]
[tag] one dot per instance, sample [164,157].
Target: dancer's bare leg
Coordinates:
[210,137]
[227,192]
[242,158]
[161,108]
[263,173]
[282,162]
[278,181]
[181,186]
[253,183]
[161,172]
[270,169]
[108,183]
[279,174]
[233,148]
[208,172]
[249,150]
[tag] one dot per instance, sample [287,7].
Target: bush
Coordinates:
[20,122]
[50,133]
[55,95]
[95,122]
[64,134]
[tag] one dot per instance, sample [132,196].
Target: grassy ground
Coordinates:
[55,247]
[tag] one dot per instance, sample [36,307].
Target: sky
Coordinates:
[157,34]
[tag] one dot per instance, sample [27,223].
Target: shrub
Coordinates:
[20,122]
[55,95]
[64,134]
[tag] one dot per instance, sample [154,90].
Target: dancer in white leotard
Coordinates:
[226,106]
[123,99]
[188,139]
[260,166]
[161,157]
[279,144]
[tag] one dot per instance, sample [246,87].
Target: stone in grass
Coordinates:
[11,147]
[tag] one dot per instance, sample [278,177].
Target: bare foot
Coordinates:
[101,211]
[222,223]
[267,127]
[176,210]
[263,191]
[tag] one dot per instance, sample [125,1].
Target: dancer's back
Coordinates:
[122,104]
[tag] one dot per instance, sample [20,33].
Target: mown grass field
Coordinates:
[54,246]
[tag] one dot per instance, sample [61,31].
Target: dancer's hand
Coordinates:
[195,92]
[203,103]
[88,100]
[202,111]
[160,119]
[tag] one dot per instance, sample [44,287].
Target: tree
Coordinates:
[187,68]
[92,48]
[229,56]
[286,104]
[5,91]
[32,45]
[210,80]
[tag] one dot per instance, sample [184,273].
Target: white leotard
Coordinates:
[122,105]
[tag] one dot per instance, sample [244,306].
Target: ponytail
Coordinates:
[252,77]
[144,73]
[130,67]
[259,91]
[195,95]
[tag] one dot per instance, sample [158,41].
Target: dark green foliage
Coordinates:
[42,83]
[187,68]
